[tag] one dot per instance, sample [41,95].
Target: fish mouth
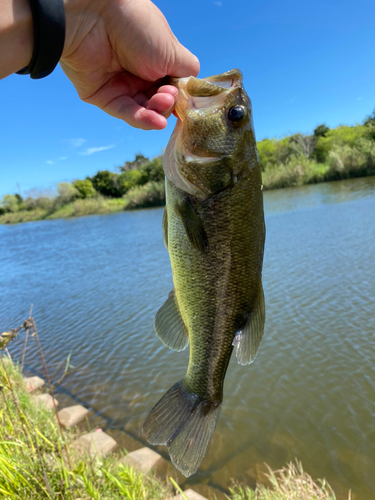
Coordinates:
[203,93]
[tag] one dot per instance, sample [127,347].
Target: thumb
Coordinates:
[184,62]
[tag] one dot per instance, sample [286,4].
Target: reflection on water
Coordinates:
[96,283]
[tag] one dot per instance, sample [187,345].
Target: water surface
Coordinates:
[96,283]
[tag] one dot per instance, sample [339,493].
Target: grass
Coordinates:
[289,483]
[34,464]
[38,460]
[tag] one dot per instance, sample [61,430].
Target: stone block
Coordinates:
[72,415]
[33,383]
[190,495]
[45,400]
[96,444]
[143,460]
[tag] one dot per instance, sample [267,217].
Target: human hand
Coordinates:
[117,53]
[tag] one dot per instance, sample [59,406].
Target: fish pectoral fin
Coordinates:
[164,228]
[248,339]
[169,325]
[193,226]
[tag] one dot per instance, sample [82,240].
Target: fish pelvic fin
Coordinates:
[247,340]
[169,326]
[185,422]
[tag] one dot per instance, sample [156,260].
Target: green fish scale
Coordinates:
[216,289]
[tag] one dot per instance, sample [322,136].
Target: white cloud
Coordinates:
[359,98]
[62,158]
[219,4]
[91,151]
[50,162]
[76,143]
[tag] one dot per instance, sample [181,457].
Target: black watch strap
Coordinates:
[49,36]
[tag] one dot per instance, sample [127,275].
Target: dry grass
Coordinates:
[289,483]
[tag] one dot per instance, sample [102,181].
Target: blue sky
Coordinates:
[304,63]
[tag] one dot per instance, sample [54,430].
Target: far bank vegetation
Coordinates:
[325,155]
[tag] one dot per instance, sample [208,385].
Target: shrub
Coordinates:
[302,145]
[150,195]
[295,172]
[345,161]
[42,202]
[66,193]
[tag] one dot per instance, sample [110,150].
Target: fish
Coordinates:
[213,228]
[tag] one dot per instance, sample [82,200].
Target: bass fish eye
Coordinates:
[236,113]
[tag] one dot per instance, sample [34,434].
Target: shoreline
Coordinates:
[105,206]
[73,448]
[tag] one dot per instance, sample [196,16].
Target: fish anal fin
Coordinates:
[247,340]
[193,225]
[164,227]
[169,325]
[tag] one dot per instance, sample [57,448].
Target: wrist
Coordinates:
[16,36]
[81,16]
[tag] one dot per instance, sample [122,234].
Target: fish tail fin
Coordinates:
[185,422]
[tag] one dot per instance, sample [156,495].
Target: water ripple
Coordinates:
[96,283]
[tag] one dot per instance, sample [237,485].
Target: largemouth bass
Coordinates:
[213,228]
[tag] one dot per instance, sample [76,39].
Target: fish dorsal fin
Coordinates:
[169,325]
[164,228]
[247,340]
[193,226]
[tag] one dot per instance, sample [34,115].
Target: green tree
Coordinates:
[129,179]
[321,130]
[136,164]
[272,152]
[152,171]
[370,119]
[338,137]
[267,153]
[369,123]
[106,183]
[9,203]
[85,188]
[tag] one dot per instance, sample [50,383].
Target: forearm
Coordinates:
[16,36]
